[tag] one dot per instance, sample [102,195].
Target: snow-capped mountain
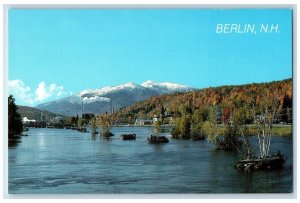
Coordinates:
[166,87]
[109,89]
[111,97]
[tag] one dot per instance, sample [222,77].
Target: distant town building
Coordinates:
[155,119]
[142,121]
[26,120]
[168,118]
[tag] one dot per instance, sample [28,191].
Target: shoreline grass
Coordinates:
[283,130]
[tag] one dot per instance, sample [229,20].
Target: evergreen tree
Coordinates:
[162,111]
[289,115]
[15,125]
[286,104]
[162,114]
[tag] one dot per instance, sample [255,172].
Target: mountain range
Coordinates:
[111,98]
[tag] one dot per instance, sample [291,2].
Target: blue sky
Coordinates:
[54,53]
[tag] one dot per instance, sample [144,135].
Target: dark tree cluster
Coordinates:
[15,125]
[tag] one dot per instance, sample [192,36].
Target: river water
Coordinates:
[59,161]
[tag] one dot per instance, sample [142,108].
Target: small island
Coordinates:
[128,136]
[156,139]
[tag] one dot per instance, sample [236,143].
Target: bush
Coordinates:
[185,128]
[175,132]
[197,132]
[182,129]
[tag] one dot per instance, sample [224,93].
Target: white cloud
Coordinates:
[41,92]
[23,93]
[20,91]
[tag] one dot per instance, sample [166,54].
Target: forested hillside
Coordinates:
[36,114]
[223,99]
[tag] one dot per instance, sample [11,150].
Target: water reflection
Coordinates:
[157,148]
[105,145]
[13,142]
[41,141]
[94,136]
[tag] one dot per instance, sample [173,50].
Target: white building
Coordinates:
[141,121]
[26,120]
[155,119]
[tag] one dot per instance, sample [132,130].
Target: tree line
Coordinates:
[222,100]
[15,125]
[218,113]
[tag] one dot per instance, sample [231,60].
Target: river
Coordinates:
[59,161]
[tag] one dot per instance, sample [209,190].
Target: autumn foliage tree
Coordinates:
[240,117]
[94,125]
[225,97]
[182,129]
[105,123]
[264,115]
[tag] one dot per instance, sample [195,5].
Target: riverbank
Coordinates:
[278,130]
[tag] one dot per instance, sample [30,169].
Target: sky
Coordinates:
[53,53]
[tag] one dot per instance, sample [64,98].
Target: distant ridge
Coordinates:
[111,98]
[36,114]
